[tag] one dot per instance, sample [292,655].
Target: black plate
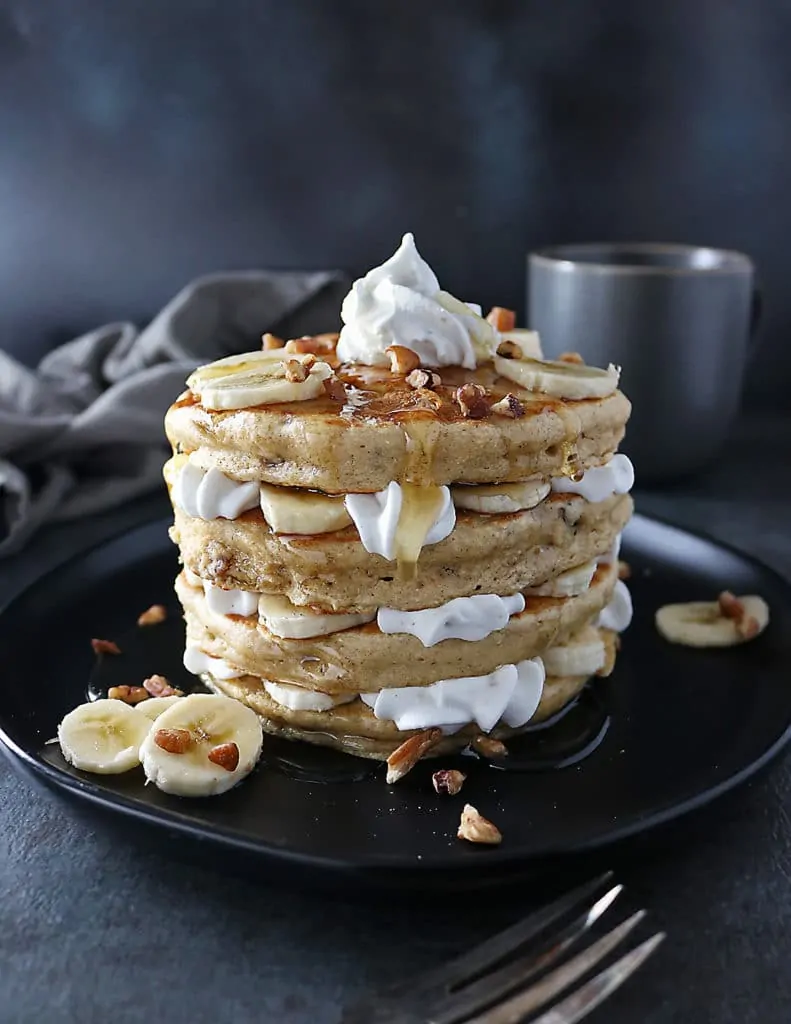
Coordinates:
[684,727]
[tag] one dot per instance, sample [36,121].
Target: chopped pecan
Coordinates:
[105,646]
[476,829]
[402,360]
[488,746]
[448,781]
[153,616]
[509,350]
[317,344]
[296,371]
[473,401]
[271,341]
[128,694]
[509,406]
[175,741]
[333,386]
[571,357]
[226,755]
[404,758]
[423,379]
[501,319]
[747,626]
[159,686]
[624,570]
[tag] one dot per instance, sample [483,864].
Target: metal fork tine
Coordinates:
[491,987]
[469,966]
[580,1003]
[523,1003]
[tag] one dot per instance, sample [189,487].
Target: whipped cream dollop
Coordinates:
[510,694]
[210,494]
[600,482]
[197,661]
[400,303]
[464,618]
[617,614]
[229,602]
[298,698]
[376,518]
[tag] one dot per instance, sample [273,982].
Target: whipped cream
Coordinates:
[210,494]
[297,698]
[511,694]
[376,518]
[617,614]
[400,303]
[197,661]
[570,583]
[600,482]
[464,618]
[229,602]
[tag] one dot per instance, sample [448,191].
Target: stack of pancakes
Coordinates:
[283,509]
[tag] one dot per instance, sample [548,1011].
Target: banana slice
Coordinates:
[703,624]
[262,380]
[561,380]
[575,659]
[288,510]
[501,499]
[154,706]
[483,336]
[528,341]
[201,745]
[103,737]
[286,620]
[567,584]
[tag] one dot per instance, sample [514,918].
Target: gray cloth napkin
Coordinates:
[83,431]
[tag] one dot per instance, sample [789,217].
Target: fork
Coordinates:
[497,982]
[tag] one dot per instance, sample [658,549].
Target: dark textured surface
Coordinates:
[145,143]
[95,926]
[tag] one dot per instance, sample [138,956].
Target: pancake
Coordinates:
[486,554]
[386,430]
[363,659]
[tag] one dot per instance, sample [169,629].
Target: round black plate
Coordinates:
[685,727]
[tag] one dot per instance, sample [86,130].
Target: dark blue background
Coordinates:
[143,142]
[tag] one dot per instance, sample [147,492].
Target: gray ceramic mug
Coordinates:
[677,318]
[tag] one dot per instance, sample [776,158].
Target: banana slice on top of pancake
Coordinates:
[559,379]
[259,378]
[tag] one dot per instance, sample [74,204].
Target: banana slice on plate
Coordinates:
[154,706]
[713,623]
[259,378]
[560,380]
[501,499]
[103,737]
[202,745]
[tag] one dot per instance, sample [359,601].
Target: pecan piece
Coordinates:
[501,319]
[159,686]
[333,387]
[271,341]
[473,401]
[476,829]
[296,371]
[509,350]
[624,570]
[128,694]
[402,360]
[404,758]
[153,616]
[747,626]
[317,344]
[448,781]
[105,646]
[488,746]
[175,741]
[509,406]
[423,379]
[226,755]
[571,357]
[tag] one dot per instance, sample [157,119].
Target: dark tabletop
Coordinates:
[98,925]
